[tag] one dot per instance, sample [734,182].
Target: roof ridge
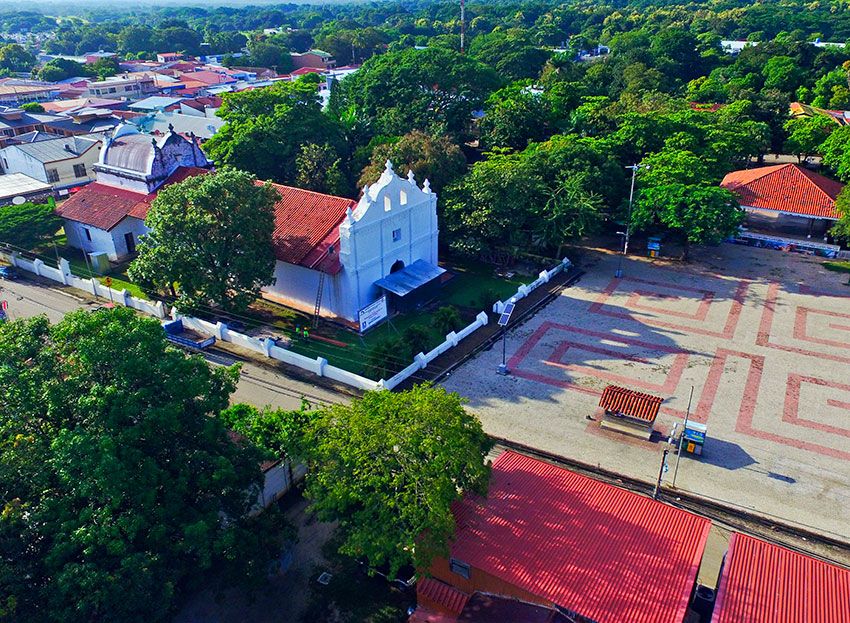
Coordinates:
[806,173]
[304,190]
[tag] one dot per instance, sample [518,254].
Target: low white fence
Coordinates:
[524,290]
[266,346]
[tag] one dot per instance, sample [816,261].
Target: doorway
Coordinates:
[130,241]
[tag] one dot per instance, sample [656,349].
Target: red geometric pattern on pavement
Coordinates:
[792,404]
[701,313]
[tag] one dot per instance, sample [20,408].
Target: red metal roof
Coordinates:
[785,188]
[630,403]
[440,596]
[103,207]
[606,553]
[306,225]
[766,583]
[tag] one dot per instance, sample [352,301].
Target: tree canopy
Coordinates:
[28,225]
[116,472]
[212,236]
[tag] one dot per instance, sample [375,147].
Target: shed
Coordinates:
[629,411]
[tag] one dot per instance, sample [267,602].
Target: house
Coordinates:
[17,185]
[61,162]
[339,256]
[548,536]
[108,215]
[168,57]
[13,94]
[765,583]
[93,57]
[161,122]
[125,86]
[154,103]
[786,197]
[313,58]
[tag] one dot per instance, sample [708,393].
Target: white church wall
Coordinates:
[297,286]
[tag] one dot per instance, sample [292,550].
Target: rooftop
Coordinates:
[787,188]
[155,102]
[14,184]
[62,148]
[630,403]
[606,553]
[766,583]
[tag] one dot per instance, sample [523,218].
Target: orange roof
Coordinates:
[630,403]
[786,188]
[306,225]
[439,596]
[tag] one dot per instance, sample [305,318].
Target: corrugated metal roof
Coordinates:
[785,188]
[133,152]
[154,102]
[14,184]
[766,583]
[606,553]
[630,403]
[59,148]
[445,597]
[304,222]
[409,278]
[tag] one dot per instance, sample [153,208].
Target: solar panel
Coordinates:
[506,315]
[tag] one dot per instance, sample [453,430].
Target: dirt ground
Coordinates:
[762,336]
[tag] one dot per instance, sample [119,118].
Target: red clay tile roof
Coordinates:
[630,403]
[436,595]
[306,225]
[606,553]
[765,583]
[785,188]
[103,207]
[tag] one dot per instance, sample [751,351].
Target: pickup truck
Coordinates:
[176,333]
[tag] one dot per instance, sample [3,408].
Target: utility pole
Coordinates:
[682,436]
[634,168]
[462,25]
[661,471]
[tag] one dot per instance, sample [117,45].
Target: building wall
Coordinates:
[17,161]
[297,286]
[482,581]
[367,248]
[110,242]
[311,60]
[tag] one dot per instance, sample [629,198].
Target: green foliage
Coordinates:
[28,225]
[266,128]
[389,466]
[115,472]
[836,152]
[275,432]
[212,234]
[387,357]
[319,168]
[14,57]
[446,319]
[435,158]
[417,338]
[807,134]
[32,107]
[511,53]
[513,117]
[266,54]
[841,229]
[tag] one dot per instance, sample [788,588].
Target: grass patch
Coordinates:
[838,266]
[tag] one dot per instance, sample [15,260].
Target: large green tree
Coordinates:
[806,135]
[27,225]
[212,235]
[387,466]
[119,485]
[14,57]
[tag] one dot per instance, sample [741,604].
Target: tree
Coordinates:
[836,152]
[513,117]
[435,158]
[572,212]
[783,73]
[806,135]
[419,89]
[32,107]
[841,229]
[211,234]
[59,69]
[389,466]
[265,54]
[265,129]
[511,53]
[695,214]
[116,473]
[28,225]
[319,168]
[15,58]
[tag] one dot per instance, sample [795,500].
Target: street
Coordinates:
[258,386]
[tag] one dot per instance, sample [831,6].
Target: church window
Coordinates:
[396,235]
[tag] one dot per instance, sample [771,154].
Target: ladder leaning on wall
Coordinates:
[318,307]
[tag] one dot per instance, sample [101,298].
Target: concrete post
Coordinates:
[483,318]
[65,269]
[321,362]
[160,309]
[268,343]
[37,264]
[128,300]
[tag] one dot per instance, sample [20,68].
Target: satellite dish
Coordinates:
[18,201]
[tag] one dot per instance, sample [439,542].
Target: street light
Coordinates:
[634,168]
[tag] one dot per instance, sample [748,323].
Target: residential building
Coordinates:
[93,57]
[161,123]
[154,103]
[548,536]
[313,58]
[168,57]
[16,94]
[17,186]
[126,87]
[766,583]
[340,255]
[108,215]
[61,162]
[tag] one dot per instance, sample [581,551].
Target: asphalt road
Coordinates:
[258,385]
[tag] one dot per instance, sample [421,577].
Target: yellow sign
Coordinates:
[108,282]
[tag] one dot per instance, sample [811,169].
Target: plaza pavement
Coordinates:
[763,337]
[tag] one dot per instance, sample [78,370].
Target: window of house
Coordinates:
[402,198]
[87,232]
[461,568]
[52,176]
[388,205]
[112,89]
[396,235]
[80,170]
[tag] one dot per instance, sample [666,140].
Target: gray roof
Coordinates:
[133,152]
[202,127]
[155,102]
[410,277]
[14,184]
[59,148]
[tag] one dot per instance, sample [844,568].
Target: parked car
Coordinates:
[10,273]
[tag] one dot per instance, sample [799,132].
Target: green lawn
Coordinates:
[838,266]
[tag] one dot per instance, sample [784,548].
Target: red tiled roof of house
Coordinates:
[765,583]
[206,77]
[303,71]
[786,188]
[306,225]
[609,554]
[630,403]
[103,207]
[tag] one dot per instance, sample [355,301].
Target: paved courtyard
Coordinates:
[762,336]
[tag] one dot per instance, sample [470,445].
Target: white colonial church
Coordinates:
[337,257]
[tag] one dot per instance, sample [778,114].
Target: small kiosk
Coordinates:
[694,437]
[629,412]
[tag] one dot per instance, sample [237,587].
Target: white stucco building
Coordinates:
[108,215]
[340,255]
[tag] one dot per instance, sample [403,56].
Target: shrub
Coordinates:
[386,358]
[446,319]
[417,338]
